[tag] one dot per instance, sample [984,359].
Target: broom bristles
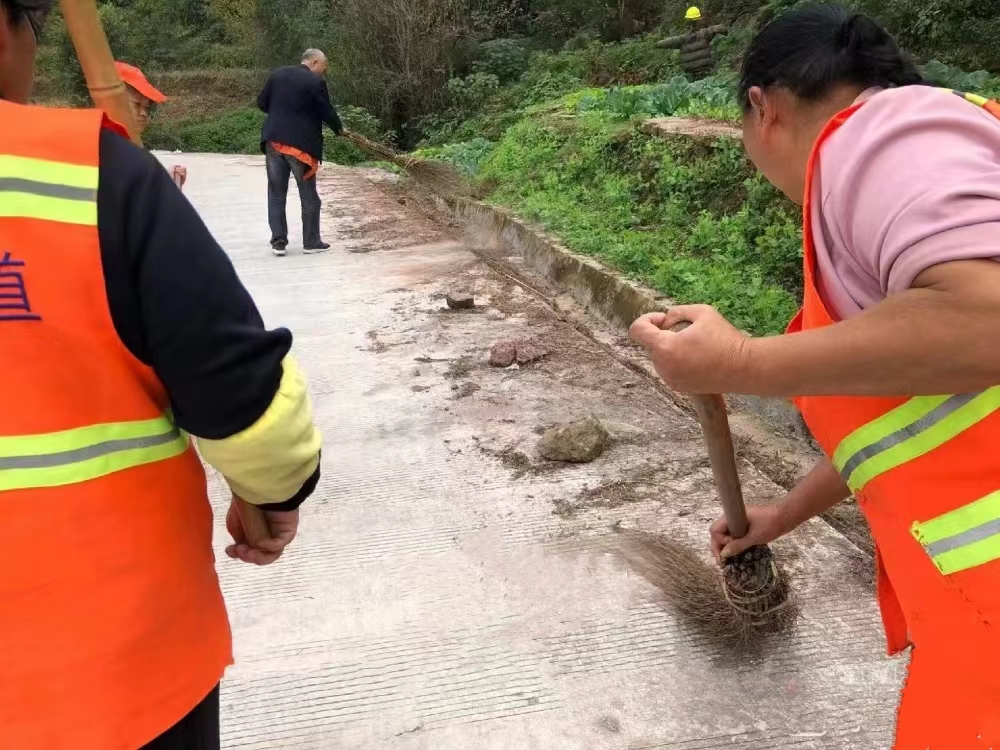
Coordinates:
[695,590]
[438,176]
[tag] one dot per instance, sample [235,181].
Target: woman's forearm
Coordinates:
[925,341]
[820,490]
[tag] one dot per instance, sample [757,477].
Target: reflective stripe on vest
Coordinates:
[909,431]
[48,190]
[963,538]
[73,456]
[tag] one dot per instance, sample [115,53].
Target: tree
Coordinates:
[393,56]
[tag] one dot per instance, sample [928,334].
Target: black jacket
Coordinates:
[297,103]
[696,49]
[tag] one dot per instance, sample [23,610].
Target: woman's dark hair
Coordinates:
[811,50]
[34,11]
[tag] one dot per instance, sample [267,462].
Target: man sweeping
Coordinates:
[124,329]
[297,102]
[696,45]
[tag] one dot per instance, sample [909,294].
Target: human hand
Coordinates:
[766,523]
[710,356]
[180,174]
[284,527]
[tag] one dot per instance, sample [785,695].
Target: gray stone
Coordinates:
[528,352]
[578,442]
[460,301]
[503,353]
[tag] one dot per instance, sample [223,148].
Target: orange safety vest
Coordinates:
[112,624]
[926,472]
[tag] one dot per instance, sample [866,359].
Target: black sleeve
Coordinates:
[176,301]
[264,97]
[326,109]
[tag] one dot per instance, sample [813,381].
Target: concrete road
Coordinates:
[451,590]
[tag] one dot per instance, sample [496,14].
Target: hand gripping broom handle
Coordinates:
[106,88]
[108,92]
[711,411]
[254,522]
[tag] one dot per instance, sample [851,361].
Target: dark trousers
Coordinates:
[279,168]
[199,730]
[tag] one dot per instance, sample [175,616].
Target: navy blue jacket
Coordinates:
[297,103]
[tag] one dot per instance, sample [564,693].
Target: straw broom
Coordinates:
[109,94]
[437,176]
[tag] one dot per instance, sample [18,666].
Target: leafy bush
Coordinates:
[980,82]
[506,59]
[705,98]
[467,96]
[468,156]
[235,131]
[959,32]
[692,219]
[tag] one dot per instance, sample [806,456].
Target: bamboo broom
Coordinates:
[108,93]
[437,176]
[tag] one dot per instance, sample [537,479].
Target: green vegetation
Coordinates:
[541,102]
[688,217]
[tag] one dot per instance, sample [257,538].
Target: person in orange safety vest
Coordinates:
[143,97]
[125,330]
[892,359]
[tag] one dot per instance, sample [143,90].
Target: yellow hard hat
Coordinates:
[693,14]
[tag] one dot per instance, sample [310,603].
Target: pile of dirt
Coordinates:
[506,352]
[579,442]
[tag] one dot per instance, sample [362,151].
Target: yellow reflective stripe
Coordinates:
[25,205]
[972,412]
[892,421]
[51,172]
[82,437]
[963,538]
[20,479]
[79,455]
[972,556]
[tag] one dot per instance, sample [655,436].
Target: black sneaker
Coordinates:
[279,248]
[322,247]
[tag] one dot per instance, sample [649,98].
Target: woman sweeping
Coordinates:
[893,360]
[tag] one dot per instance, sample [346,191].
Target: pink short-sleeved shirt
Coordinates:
[911,180]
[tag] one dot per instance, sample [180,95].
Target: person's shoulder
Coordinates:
[920,108]
[286,71]
[123,163]
[912,125]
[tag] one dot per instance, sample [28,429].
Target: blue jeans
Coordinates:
[279,168]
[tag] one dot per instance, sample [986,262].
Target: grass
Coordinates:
[690,218]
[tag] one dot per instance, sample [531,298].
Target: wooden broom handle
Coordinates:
[106,89]
[711,411]
[254,522]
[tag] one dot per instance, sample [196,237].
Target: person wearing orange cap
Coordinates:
[143,97]
[131,343]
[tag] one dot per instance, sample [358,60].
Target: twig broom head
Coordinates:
[701,594]
[436,176]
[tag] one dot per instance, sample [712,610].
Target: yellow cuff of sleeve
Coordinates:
[270,460]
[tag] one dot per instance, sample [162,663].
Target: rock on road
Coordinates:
[451,590]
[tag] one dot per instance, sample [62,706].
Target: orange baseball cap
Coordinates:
[132,76]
